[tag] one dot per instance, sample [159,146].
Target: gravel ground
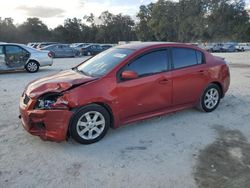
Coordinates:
[186,149]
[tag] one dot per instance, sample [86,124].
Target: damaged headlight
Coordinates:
[45,102]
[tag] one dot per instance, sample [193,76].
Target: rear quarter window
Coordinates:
[185,57]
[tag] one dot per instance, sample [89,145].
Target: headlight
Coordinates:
[45,102]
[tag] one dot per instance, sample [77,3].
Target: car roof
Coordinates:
[143,45]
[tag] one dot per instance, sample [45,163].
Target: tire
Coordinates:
[32,66]
[77,54]
[84,127]
[89,54]
[208,104]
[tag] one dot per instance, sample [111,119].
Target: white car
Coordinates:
[243,47]
[19,56]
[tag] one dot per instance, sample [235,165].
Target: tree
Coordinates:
[143,30]
[34,30]
[163,21]
[194,20]
[114,28]
[8,31]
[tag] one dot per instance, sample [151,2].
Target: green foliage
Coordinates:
[165,20]
[108,28]
[194,20]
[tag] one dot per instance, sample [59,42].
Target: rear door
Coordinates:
[60,51]
[189,75]
[68,51]
[150,92]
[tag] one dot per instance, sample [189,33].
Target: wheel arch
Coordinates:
[220,86]
[32,60]
[108,108]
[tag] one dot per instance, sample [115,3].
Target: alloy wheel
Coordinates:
[90,125]
[211,98]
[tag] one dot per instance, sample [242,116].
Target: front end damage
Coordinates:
[49,123]
[45,109]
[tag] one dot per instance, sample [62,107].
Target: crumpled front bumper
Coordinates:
[49,125]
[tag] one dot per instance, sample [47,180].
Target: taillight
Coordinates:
[50,54]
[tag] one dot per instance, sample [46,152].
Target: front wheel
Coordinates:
[90,124]
[210,98]
[32,67]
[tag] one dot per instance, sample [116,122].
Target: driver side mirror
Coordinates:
[129,75]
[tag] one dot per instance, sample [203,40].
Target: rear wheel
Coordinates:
[210,98]
[90,124]
[32,67]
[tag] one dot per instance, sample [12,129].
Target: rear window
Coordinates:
[185,57]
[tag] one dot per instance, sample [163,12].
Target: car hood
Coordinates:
[56,83]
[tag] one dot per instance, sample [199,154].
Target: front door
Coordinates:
[2,58]
[150,92]
[15,56]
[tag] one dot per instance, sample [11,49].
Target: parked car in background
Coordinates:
[61,50]
[31,44]
[44,44]
[106,46]
[122,85]
[80,46]
[243,47]
[206,46]
[74,45]
[91,49]
[217,47]
[18,56]
[228,48]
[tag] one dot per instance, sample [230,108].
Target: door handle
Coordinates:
[164,81]
[200,72]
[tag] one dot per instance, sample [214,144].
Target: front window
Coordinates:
[104,62]
[149,64]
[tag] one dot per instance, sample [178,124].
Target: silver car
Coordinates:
[61,50]
[19,56]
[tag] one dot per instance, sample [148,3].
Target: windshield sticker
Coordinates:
[120,55]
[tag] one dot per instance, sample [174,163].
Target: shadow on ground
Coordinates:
[225,163]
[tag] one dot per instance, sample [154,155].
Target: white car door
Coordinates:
[2,58]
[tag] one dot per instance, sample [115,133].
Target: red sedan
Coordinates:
[123,85]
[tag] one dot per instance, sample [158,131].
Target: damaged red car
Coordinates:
[122,85]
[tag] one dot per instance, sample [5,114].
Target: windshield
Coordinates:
[104,62]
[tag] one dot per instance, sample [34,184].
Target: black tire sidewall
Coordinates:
[78,114]
[202,101]
[26,67]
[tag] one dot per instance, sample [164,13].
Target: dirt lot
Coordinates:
[187,149]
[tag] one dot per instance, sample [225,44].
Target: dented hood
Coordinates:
[56,83]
